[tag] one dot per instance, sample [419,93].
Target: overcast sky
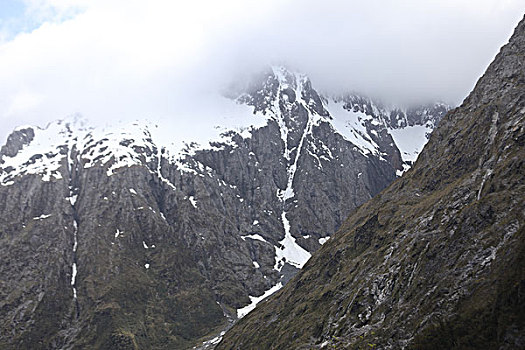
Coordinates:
[128,59]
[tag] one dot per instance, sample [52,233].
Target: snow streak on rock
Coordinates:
[485,177]
[73,195]
[288,250]
[255,300]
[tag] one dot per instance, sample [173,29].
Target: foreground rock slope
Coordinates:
[437,260]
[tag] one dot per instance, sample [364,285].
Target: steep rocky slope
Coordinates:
[437,260]
[111,239]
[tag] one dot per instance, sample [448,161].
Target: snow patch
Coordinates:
[212,342]
[323,240]
[350,125]
[75,241]
[410,140]
[74,274]
[73,199]
[255,300]
[193,201]
[288,250]
[73,279]
[255,237]
[41,217]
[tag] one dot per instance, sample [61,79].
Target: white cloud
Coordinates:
[23,102]
[126,59]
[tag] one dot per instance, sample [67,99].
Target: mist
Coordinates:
[126,60]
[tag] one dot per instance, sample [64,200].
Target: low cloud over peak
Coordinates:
[112,60]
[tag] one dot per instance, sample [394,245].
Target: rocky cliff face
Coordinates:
[109,239]
[436,261]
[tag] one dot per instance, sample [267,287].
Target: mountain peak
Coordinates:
[287,77]
[436,260]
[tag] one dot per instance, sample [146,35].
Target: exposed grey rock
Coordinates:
[16,141]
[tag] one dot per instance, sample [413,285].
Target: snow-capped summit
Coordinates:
[285,97]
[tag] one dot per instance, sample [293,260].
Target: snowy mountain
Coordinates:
[151,236]
[437,259]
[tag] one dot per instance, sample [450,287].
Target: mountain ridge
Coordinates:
[148,247]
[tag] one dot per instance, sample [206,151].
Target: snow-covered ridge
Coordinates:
[49,149]
[40,156]
[351,125]
[121,145]
[216,127]
[363,129]
[360,120]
